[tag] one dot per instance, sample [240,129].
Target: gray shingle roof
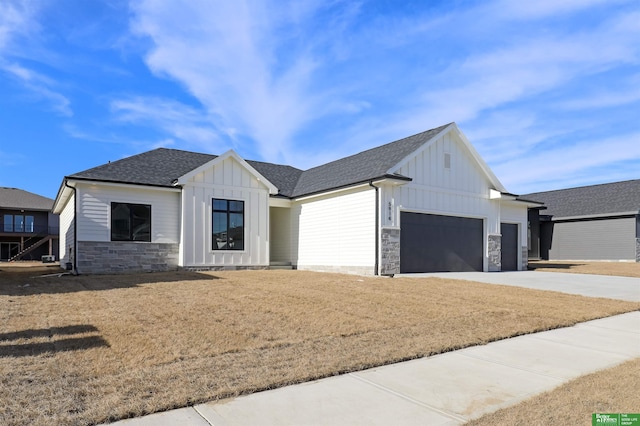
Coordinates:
[18,199]
[283,177]
[608,198]
[161,167]
[361,167]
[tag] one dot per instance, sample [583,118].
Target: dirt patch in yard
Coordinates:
[90,349]
[614,390]
[621,269]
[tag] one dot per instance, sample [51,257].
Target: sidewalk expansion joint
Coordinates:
[412,400]
[222,422]
[575,345]
[515,367]
[602,327]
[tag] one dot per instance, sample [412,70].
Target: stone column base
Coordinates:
[390,251]
[495,253]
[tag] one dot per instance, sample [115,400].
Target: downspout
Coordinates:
[74,268]
[377,189]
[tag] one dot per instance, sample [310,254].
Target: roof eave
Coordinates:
[115,181]
[595,216]
[393,177]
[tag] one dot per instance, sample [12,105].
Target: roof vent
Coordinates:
[447,160]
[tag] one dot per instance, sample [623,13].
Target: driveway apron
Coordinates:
[610,287]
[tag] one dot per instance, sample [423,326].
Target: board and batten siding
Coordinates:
[67,231]
[606,239]
[227,180]
[94,210]
[336,232]
[460,189]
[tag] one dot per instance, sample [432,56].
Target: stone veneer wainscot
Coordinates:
[126,257]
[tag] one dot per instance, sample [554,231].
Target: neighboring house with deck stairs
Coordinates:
[29,230]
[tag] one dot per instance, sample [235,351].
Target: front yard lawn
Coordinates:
[613,390]
[91,349]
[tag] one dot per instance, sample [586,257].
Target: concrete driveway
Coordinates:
[622,288]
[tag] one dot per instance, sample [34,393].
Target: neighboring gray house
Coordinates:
[597,222]
[424,203]
[28,229]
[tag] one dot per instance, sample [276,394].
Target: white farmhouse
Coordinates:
[425,203]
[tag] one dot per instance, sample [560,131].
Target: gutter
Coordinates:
[400,178]
[74,269]
[377,189]
[594,216]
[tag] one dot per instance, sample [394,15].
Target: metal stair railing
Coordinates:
[43,238]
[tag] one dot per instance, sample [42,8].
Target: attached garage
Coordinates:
[435,243]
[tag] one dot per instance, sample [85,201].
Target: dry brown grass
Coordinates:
[86,349]
[621,269]
[614,390]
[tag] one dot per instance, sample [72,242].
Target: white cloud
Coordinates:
[602,100]
[17,20]
[244,61]
[516,9]
[270,72]
[190,125]
[39,87]
[575,163]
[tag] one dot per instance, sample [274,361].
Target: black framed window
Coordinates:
[17,223]
[130,222]
[228,225]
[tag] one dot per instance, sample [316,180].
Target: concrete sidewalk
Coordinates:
[622,288]
[446,389]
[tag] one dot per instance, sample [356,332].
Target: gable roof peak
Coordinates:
[370,164]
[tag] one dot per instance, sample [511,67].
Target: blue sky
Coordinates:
[548,91]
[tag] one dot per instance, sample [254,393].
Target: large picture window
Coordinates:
[130,222]
[228,225]
[18,223]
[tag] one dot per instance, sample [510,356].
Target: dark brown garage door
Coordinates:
[509,242]
[434,243]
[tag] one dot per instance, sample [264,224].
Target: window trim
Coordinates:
[228,213]
[130,239]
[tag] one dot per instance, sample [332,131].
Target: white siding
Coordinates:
[336,232]
[230,180]
[94,211]
[67,229]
